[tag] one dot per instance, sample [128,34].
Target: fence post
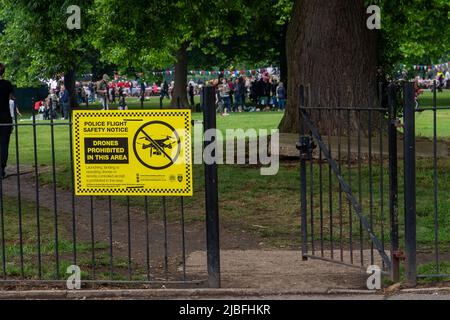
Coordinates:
[393,183]
[410,183]
[211,193]
[303,196]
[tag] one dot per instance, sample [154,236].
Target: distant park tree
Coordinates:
[163,33]
[38,44]
[335,56]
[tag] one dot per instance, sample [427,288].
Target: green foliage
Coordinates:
[36,43]
[414,32]
[218,32]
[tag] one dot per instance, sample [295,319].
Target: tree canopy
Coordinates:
[414,32]
[36,43]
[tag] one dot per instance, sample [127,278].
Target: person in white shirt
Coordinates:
[13,109]
[447,79]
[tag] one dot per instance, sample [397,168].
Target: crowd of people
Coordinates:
[58,100]
[262,93]
[259,92]
[441,76]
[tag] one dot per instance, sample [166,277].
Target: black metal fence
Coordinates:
[45,228]
[359,201]
[428,193]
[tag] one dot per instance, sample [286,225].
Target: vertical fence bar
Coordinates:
[55,207]
[111,251]
[330,180]
[435,180]
[92,237]
[183,238]
[166,247]
[147,237]
[393,183]
[211,193]
[361,234]
[19,195]
[349,166]
[183,232]
[166,258]
[330,196]
[410,184]
[382,185]
[166,263]
[130,272]
[382,119]
[370,184]
[303,191]
[321,196]
[37,196]
[341,215]
[74,221]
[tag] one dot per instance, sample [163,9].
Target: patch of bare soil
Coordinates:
[122,231]
[246,261]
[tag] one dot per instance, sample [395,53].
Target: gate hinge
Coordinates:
[306,146]
[399,255]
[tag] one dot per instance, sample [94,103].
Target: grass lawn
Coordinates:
[28,227]
[265,206]
[424,127]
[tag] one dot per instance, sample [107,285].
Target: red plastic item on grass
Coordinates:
[37,105]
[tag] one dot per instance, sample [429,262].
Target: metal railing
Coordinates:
[45,228]
[345,187]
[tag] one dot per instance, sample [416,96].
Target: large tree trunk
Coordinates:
[283,57]
[333,54]
[179,94]
[69,83]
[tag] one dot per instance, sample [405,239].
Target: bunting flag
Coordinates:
[428,67]
[230,72]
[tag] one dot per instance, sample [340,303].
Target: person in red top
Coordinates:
[112,91]
[127,88]
[155,90]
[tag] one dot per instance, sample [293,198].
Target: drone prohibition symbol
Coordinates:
[157,145]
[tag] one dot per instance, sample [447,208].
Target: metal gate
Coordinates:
[133,241]
[351,211]
[349,204]
[428,224]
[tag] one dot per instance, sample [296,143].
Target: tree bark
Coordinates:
[179,94]
[283,57]
[333,55]
[69,83]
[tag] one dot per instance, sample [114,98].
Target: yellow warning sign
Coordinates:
[145,153]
